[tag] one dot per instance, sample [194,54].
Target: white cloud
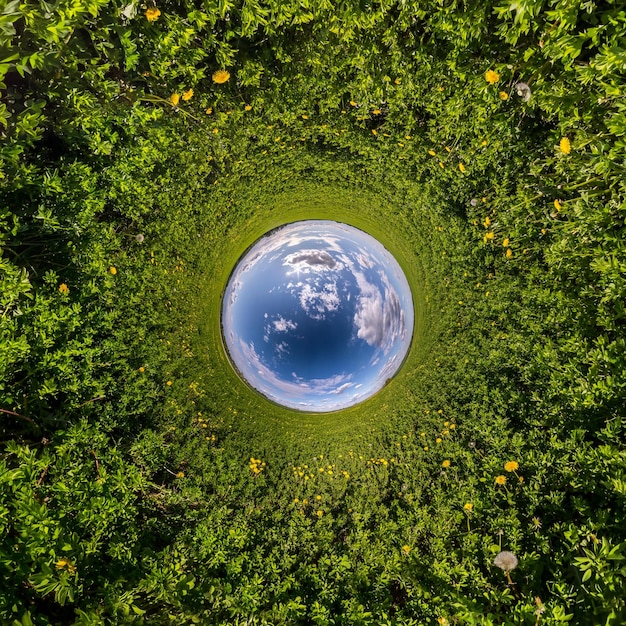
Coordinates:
[282,325]
[316,303]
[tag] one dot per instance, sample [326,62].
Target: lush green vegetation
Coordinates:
[144,147]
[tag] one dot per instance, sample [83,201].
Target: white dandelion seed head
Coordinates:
[523,91]
[506,561]
[473,202]
[139,238]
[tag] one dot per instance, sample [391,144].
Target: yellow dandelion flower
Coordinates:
[504,95]
[452,426]
[180,475]
[505,243]
[511,466]
[487,222]
[462,167]
[152,14]
[169,383]
[441,165]
[174,99]
[64,289]
[397,81]
[374,132]
[305,117]
[557,205]
[565,146]
[509,253]
[492,77]
[112,270]
[187,95]
[432,153]
[438,440]
[468,506]
[446,463]
[352,103]
[209,111]
[319,513]
[406,549]
[500,480]
[142,369]
[221,76]
[248,107]
[318,497]
[64,563]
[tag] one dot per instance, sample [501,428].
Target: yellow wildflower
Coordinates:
[452,426]
[112,270]
[468,506]
[64,289]
[509,253]
[438,440]
[511,466]
[462,167]
[64,563]
[221,76]
[487,222]
[500,480]
[187,95]
[504,95]
[376,111]
[432,152]
[248,107]
[446,463]
[406,549]
[352,103]
[565,145]
[152,14]
[397,81]
[180,475]
[557,205]
[142,369]
[305,117]
[174,99]
[441,165]
[505,243]
[209,111]
[492,77]
[319,513]
[169,383]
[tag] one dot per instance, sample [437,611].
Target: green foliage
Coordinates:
[142,482]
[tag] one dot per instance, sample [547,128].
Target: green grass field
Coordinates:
[145,148]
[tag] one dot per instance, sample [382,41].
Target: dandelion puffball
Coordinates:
[506,561]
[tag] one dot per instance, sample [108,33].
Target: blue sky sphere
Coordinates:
[317,316]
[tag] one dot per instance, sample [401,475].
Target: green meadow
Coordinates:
[145,147]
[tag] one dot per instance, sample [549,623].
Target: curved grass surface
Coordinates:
[362,210]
